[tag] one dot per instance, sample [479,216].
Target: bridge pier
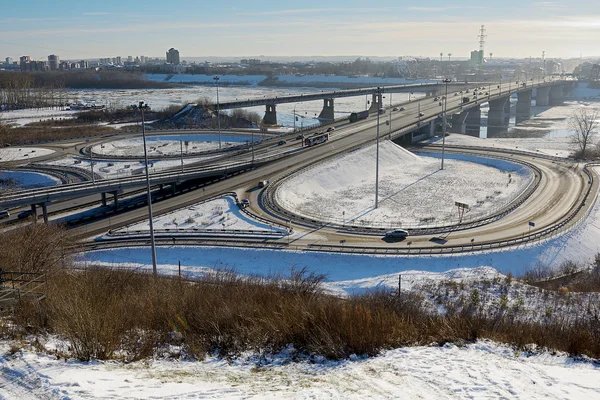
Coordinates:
[458,122]
[376,102]
[542,96]
[328,110]
[473,122]
[424,132]
[45,212]
[103,199]
[524,103]
[34,213]
[497,112]
[270,117]
[556,95]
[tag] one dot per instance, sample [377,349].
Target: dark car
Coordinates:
[330,129]
[245,203]
[396,233]
[281,143]
[25,214]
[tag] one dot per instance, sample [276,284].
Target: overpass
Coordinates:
[409,125]
[327,113]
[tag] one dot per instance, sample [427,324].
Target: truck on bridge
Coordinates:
[359,115]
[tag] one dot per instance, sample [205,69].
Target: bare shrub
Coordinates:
[36,248]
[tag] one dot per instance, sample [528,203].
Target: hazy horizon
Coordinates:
[514,29]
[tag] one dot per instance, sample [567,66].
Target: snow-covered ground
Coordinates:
[158,146]
[24,117]
[484,369]
[284,79]
[556,147]
[117,169]
[413,189]
[222,214]
[29,180]
[22,153]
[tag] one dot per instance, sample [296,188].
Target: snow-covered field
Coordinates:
[556,147]
[29,180]
[22,153]
[413,189]
[284,79]
[158,146]
[117,169]
[484,369]
[222,214]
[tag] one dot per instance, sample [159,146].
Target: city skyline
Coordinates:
[515,29]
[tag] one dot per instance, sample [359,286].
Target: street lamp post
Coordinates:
[252,148]
[92,164]
[181,153]
[217,79]
[390,116]
[143,107]
[446,81]
[377,157]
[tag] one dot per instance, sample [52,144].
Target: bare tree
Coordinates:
[584,123]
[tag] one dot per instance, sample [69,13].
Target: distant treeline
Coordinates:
[22,91]
[84,79]
[92,79]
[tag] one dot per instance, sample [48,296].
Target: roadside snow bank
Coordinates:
[484,369]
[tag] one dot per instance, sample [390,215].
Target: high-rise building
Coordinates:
[83,64]
[8,61]
[53,62]
[24,63]
[142,59]
[477,57]
[173,56]
[119,61]
[129,59]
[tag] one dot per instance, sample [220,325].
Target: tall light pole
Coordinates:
[142,107]
[446,81]
[390,115]
[92,164]
[217,79]
[295,117]
[377,156]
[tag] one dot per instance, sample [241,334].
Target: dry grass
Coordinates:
[123,314]
[36,134]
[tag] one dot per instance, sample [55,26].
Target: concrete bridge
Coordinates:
[465,117]
[327,113]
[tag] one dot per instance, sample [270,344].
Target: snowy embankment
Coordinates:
[28,179]
[22,153]
[167,146]
[556,147]
[483,369]
[117,169]
[222,214]
[26,116]
[413,189]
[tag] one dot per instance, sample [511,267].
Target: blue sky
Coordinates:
[85,29]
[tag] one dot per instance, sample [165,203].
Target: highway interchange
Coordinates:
[563,195]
